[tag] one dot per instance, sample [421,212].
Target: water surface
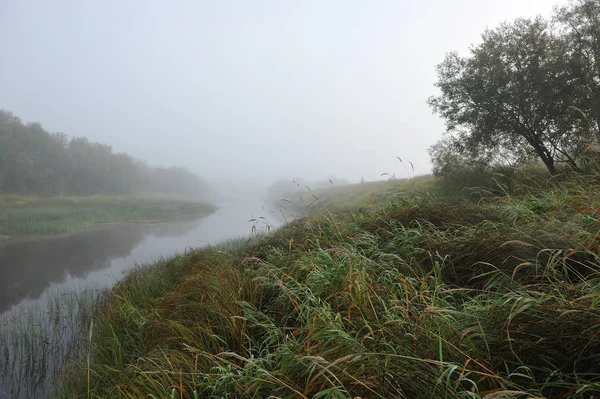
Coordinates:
[46,284]
[30,269]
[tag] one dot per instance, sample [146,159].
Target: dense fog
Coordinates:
[241,94]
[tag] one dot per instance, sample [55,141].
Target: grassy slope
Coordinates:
[403,294]
[23,216]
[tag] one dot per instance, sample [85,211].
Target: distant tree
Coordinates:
[33,161]
[512,96]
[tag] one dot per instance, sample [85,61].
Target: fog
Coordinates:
[243,92]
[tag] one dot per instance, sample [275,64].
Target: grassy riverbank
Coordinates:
[399,292]
[26,216]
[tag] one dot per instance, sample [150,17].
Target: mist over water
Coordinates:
[168,107]
[34,265]
[53,279]
[101,256]
[250,92]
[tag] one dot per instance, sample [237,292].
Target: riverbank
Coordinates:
[398,293]
[31,216]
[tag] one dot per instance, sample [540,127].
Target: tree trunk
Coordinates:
[549,162]
[547,159]
[571,162]
[542,152]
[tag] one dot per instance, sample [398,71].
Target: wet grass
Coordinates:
[28,216]
[352,197]
[396,293]
[38,341]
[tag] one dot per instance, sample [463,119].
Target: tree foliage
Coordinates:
[579,24]
[530,88]
[33,161]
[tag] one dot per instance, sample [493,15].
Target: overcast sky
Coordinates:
[248,90]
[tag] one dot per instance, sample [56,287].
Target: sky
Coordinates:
[250,91]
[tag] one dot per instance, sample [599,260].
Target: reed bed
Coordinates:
[27,216]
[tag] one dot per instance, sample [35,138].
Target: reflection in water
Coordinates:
[29,267]
[47,286]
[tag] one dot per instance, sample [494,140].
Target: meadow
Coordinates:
[28,216]
[397,289]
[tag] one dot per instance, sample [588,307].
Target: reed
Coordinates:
[397,293]
[27,216]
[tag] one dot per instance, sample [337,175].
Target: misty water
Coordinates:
[33,272]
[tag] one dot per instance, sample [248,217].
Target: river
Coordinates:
[34,271]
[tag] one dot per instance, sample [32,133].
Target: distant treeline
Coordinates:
[34,161]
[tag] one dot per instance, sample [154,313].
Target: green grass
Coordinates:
[38,341]
[26,216]
[397,292]
[354,197]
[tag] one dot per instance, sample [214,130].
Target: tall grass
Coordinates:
[399,294]
[38,341]
[22,216]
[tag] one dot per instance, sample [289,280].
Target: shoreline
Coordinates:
[29,217]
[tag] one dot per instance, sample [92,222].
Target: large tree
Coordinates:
[579,23]
[513,94]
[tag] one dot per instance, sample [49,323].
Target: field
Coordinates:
[391,290]
[27,216]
